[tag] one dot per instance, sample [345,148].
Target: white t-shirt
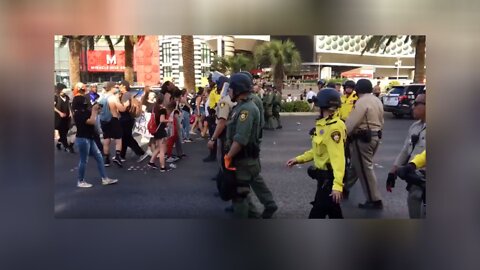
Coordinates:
[310,94]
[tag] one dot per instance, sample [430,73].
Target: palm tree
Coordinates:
[419,42]
[280,56]
[219,64]
[129,42]
[239,62]
[188,62]
[75,44]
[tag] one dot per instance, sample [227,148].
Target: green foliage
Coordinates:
[295,106]
[392,84]
[239,63]
[339,80]
[219,64]
[280,56]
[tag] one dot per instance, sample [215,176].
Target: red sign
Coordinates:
[103,61]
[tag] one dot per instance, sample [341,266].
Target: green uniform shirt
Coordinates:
[243,125]
[258,102]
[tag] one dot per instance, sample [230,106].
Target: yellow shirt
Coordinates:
[420,160]
[213,98]
[328,147]
[347,105]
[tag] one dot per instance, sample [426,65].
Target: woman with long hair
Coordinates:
[199,111]
[160,136]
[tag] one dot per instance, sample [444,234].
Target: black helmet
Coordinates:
[363,86]
[327,98]
[322,82]
[349,84]
[240,83]
[248,74]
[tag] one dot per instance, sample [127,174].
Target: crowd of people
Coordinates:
[232,113]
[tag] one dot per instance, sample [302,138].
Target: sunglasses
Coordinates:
[415,103]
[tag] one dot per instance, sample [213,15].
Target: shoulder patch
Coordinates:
[336,136]
[243,115]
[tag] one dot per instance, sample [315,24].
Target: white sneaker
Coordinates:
[144,156]
[188,140]
[83,184]
[193,133]
[108,181]
[171,159]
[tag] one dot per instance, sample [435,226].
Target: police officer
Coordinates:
[364,127]
[223,109]
[268,106]
[243,144]
[328,155]
[277,100]
[321,84]
[414,144]
[349,98]
[258,102]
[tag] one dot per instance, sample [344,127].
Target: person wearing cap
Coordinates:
[127,121]
[257,101]
[243,151]
[349,98]
[364,128]
[110,122]
[415,143]
[327,153]
[62,116]
[85,118]
[309,97]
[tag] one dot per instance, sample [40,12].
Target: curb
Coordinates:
[299,113]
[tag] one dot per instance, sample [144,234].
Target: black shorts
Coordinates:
[112,129]
[160,134]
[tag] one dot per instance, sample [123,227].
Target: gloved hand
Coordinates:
[391,181]
[228,163]
[403,171]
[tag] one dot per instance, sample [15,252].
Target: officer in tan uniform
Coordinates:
[364,129]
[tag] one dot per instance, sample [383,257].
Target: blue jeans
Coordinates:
[85,147]
[186,125]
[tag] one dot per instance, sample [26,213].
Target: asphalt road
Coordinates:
[188,192]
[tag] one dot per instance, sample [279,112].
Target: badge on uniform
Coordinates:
[321,132]
[336,136]
[222,104]
[243,116]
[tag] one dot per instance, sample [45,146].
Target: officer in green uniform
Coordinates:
[243,144]
[258,102]
[268,105]
[327,153]
[277,100]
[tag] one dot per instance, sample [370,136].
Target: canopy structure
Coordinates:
[362,72]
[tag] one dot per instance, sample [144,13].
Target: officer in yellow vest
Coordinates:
[328,142]
[349,98]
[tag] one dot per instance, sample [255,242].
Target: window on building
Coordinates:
[205,71]
[166,52]
[167,71]
[205,54]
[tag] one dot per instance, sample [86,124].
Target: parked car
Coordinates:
[399,100]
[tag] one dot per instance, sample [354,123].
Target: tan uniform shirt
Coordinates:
[367,109]
[225,106]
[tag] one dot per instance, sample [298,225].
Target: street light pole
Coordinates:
[398,63]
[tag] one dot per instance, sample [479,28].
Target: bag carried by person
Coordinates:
[152,124]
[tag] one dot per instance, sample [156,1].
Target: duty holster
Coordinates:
[324,177]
